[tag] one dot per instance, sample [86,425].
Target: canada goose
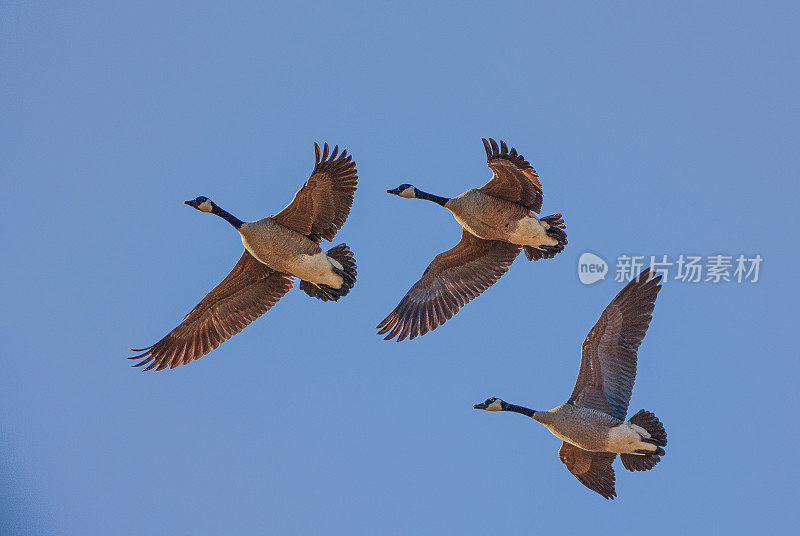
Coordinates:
[497,221]
[276,248]
[591,423]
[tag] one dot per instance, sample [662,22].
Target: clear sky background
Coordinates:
[656,130]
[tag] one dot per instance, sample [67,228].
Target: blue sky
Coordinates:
[656,130]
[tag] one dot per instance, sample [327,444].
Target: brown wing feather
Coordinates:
[321,206]
[593,469]
[513,177]
[454,278]
[246,293]
[608,355]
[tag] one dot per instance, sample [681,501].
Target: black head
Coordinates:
[404,190]
[202,203]
[491,404]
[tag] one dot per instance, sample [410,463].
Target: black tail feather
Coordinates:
[658,437]
[648,421]
[343,256]
[639,462]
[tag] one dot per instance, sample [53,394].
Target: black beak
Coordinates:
[190,203]
[396,191]
[482,405]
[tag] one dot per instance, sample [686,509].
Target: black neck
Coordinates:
[519,409]
[227,216]
[419,194]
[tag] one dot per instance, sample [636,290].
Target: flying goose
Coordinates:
[276,249]
[592,423]
[497,222]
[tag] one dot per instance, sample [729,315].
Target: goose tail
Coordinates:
[658,437]
[344,257]
[556,232]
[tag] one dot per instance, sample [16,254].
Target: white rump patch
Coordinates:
[318,269]
[335,263]
[627,438]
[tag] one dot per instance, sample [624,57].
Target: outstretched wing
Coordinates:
[608,355]
[245,294]
[513,177]
[454,278]
[320,207]
[593,469]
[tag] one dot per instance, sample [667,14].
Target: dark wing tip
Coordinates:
[396,324]
[645,282]
[327,160]
[644,274]
[142,349]
[147,359]
[383,323]
[647,275]
[502,152]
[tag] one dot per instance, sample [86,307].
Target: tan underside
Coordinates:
[495,219]
[593,430]
[289,252]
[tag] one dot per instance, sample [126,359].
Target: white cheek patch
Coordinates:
[205,206]
[408,192]
[494,406]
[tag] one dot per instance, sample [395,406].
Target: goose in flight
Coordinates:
[276,249]
[498,220]
[591,424]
